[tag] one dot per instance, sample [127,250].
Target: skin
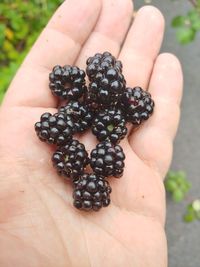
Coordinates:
[39,226]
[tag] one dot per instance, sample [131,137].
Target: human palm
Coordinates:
[39,226]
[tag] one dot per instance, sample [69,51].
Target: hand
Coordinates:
[39,226]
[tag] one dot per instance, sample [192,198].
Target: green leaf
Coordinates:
[178,21]
[196,25]
[31,39]
[178,195]
[190,214]
[193,211]
[180,177]
[170,185]
[21,35]
[194,17]
[13,54]
[185,187]
[185,35]
[177,184]
[189,217]
[2,33]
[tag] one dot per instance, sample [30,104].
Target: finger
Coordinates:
[153,141]
[110,30]
[142,46]
[59,43]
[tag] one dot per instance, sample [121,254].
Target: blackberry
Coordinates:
[106,88]
[67,82]
[55,129]
[109,125]
[100,63]
[137,105]
[91,192]
[107,159]
[71,159]
[80,115]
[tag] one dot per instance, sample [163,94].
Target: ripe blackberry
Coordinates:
[67,82]
[91,192]
[137,105]
[106,88]
[71,159]
[109,125]
[100,63]
[107,159]
[80,115]
[55,129]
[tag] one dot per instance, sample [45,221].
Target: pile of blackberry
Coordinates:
[104,107]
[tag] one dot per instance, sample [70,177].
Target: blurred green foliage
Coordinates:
[177,185]
[20,23]
[188,25]
[193,211]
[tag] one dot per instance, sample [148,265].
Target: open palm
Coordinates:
[39,226]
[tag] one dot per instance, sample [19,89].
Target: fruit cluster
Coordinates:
[104,106]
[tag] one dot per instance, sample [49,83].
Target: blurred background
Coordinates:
[183,40]
[20,23]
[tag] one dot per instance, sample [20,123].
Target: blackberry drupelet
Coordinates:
[100,63]
[106,88]
[91,192]
[137,105]
[67,82]
[109,125]
[107,159]
[71,159]
[55,129]
[80,115]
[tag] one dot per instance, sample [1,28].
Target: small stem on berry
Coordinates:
[110,128]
